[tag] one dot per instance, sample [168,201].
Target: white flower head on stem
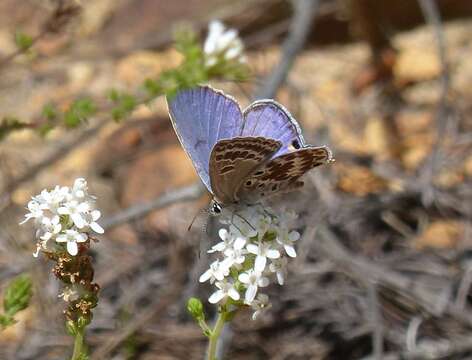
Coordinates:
[225,289]
[222,43]
[79,189]
[71,238]
[262,250]
[253,280]
[65,215]
[217,271]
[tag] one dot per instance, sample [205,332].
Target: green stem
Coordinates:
[78,344]
[215,335]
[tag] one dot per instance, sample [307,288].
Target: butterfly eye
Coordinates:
[215,208]
[248,183]
[296,144]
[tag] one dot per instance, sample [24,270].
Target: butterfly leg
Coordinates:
[233,215]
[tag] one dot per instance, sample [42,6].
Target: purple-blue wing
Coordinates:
[271,120]
[202,116]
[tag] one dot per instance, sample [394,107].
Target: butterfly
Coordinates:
[242,156]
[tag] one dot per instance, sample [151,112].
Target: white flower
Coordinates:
[263,251]
[54,198]
[217,271]
[263,225]
[260,304]
[252,280]
[71,238]
[227,242]
[36,211]
[222,43]
[234,257]
[76,212]
[91,220]
[286,239]
[279,267]
[225,289]
[79,189]
[65,215]
[50,227]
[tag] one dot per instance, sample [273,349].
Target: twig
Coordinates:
[57,20]
[304,12]
[158,306]
[433,18]
[362,269]
[21,50]
[60,152]
[188,193]
[376,321]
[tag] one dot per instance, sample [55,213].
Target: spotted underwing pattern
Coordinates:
[233,160]
[282,173]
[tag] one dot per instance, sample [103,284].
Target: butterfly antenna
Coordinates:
[197,215]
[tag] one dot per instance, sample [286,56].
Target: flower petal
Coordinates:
[239,243]
[260,263]
[244,278]
[205,276]
[252,248]
[290,250]
[233,294]
[97,228]
[263,282]
[280,277]
[216,296]
[78,220]
[72,248]
[250,293]
[273,254]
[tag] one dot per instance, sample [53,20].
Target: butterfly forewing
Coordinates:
[201,116]
[282,173]
[233,160]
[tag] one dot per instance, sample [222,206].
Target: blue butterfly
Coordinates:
[242,156]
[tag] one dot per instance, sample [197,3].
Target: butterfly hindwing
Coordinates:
[233,160]
[282,173]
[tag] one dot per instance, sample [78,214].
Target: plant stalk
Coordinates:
[215,335]
[78,344]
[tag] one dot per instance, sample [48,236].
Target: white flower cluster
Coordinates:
[64,215]
[222,44]
[253,249]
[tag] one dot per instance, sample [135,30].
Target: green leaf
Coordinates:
[17,297]
[113,95]
[6,321]
[152,87]
[125,104]
[79,112]
[49,112]
[23,41]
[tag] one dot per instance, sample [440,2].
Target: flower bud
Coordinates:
[195,308]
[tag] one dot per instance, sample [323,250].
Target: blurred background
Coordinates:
[384,267]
